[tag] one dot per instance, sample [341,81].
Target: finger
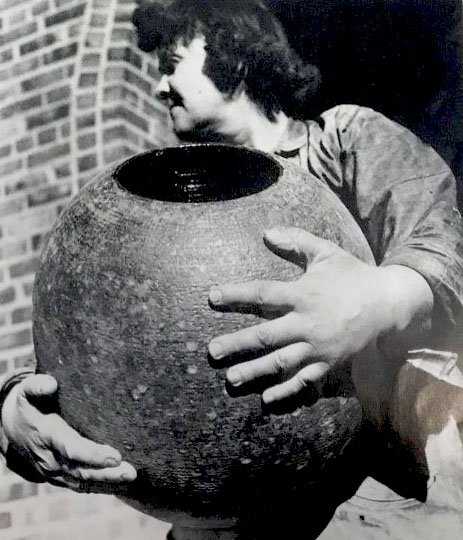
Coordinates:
[308,376]
[262,294]
[71,446]
[44,461]
[276,333]
[279,364]
[124,472]
[65,481]
[39,385]
[294,241]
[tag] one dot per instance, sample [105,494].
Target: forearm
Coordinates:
[408,300]
[433,249]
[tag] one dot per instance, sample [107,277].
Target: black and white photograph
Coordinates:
[231,269]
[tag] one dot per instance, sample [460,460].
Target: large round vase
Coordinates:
[121,319]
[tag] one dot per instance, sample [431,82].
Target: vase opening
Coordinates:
[198,173]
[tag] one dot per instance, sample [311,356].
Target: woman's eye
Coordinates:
[167,65]
[167,69]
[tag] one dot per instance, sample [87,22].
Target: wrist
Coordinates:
[408,300]
[8,384]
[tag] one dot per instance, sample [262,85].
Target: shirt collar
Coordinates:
[293,139]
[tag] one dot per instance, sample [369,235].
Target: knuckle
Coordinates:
[36,439]
[301,381]
[46,466]
[264,337]
[260,292]
[41,428]
[280,364]
[82,474]
[78,474]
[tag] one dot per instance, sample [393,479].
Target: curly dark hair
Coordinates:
[247,49]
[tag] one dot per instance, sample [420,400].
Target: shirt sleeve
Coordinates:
[402,194]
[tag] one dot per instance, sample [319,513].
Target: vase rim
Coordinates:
[200,172]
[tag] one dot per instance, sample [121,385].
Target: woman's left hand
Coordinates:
[333,311]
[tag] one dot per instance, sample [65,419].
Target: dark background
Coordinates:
[401,57]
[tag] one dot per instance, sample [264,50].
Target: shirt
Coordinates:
[398,189]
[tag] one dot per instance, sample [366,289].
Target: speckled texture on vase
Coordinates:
[121,318]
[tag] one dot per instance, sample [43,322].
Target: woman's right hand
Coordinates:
[43,447]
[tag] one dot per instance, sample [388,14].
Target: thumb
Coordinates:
[39,385]
[297,242]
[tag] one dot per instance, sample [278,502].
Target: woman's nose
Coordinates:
[162,90]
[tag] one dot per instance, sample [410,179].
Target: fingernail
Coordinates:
[128,477]
[234,377]
[268,397]
[111,462]
[215,296]
[215,350]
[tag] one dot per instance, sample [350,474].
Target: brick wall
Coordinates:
[75,95]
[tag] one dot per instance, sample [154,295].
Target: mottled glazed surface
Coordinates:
[121,319]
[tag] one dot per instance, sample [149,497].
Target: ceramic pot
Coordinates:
[121,319]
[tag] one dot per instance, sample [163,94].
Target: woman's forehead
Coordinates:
[181,46]
[170,54]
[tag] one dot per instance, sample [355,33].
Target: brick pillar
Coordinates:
[75,95]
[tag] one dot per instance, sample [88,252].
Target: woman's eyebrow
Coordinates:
[171,56]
